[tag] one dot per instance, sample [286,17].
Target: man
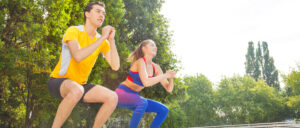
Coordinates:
[80,49]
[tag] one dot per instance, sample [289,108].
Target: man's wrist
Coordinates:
[103,37]
[111,39]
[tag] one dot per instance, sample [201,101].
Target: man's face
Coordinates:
[96,15]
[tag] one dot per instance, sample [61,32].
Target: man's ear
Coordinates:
[87,14]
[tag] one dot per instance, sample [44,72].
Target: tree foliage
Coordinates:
[244,100]
[31,33]
[30,45]
[292,82]
[199,108]
[259,64]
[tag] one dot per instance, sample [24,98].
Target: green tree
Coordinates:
[292,82]
[261,65]
[199,108]
[25,62]
[270,73]
[177,117]
[244,100]
[31,32]
[30,45]
[250,60]
[258,63]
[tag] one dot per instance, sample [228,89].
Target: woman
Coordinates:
[144,73]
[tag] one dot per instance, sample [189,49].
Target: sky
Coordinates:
[211,36]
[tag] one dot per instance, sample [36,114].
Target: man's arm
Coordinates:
[80,54]
[112,56]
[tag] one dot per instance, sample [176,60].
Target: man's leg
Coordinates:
[71,93]
[107,97]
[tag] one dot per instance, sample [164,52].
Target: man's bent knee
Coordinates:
[112,98]
[72,91]
[77,93]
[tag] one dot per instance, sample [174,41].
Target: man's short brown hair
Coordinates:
[89,7]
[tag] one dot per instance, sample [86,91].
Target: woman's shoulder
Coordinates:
[134,65]
[155,65]
[138,61]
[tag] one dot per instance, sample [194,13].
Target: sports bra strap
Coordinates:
[144,60]
[153,70]
[152,65]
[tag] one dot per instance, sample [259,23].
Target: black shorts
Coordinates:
[55,83]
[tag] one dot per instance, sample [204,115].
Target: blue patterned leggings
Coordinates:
[130,99]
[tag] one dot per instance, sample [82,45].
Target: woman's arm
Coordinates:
[168,85]
[144,76]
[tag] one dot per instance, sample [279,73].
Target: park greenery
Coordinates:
[30,46]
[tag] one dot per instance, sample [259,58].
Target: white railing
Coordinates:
[292,124]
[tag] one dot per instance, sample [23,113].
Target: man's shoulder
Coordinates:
[76,28]
[98,35]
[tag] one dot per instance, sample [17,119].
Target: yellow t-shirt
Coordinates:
[67,67]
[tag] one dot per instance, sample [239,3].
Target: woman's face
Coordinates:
[150,49]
